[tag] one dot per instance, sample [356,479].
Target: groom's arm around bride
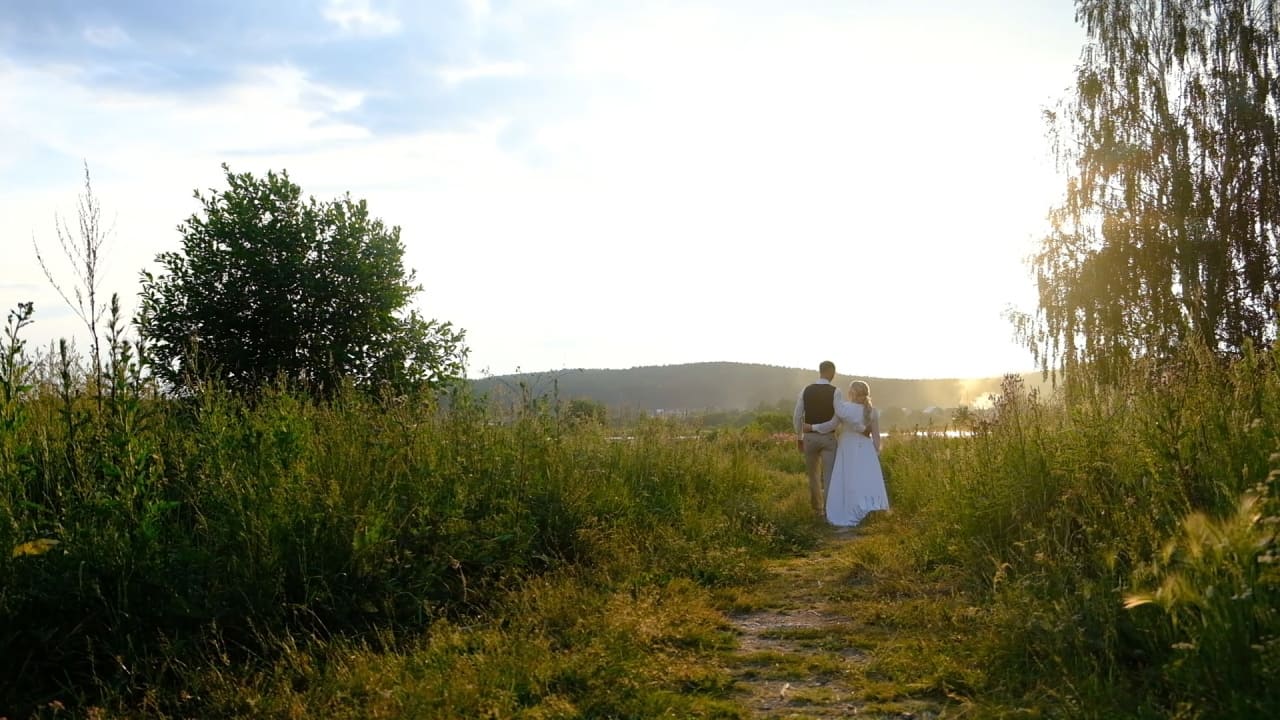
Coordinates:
[797,422]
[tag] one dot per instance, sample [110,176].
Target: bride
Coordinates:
[857,482]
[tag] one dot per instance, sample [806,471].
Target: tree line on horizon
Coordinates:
[726,387]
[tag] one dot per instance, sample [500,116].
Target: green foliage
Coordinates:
[1165,231]
[14,386]
[582,410]
[772,422]
[270,286]
[1124,535]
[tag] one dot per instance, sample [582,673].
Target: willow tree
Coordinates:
[1168,227]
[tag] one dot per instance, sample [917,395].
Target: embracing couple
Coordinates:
[839,435]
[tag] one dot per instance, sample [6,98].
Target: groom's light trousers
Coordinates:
[819,461]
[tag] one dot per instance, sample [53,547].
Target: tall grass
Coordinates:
[1125,536]
[157,538]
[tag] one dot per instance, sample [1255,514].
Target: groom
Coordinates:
[815,405]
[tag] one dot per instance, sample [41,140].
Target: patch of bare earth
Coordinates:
[796,656]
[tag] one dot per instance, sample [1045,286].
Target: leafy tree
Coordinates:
[586,411]
[1170,221]
[772,421]
[268,285]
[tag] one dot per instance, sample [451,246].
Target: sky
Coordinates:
[578,184]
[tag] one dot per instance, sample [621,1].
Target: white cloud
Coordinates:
[271,107]
[457,75]
[480,10]
[285,87]
[360,18]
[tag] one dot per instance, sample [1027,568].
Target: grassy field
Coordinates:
[1101,554]
[209,556]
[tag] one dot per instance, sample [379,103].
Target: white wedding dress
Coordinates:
[856,486]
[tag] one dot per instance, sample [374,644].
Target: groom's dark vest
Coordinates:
[819,403]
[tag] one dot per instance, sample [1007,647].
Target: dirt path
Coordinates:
[798,657]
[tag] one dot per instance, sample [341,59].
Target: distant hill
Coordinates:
[728,386]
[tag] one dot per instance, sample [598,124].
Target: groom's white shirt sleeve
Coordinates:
[844,412]
[797,417]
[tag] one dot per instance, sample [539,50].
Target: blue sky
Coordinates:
[579,184]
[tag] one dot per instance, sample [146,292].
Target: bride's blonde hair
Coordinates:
[859,389]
